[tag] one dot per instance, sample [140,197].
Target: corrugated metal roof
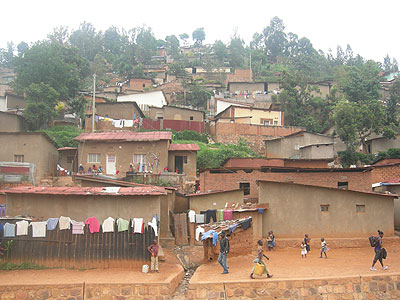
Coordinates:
[125,136]
[87,191]
[184,147]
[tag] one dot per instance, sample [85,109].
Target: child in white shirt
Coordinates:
[324,248]
[303,250]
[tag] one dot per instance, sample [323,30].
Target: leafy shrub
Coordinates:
[63,135]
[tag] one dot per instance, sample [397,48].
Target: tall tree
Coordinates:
[58,66]
[59,35]
[146,44]
[199,36]
[172,44]
[275,39]
[184,37]
[22,47]
[220,51]
[7,56]
[236,51]
[87,40]
[41,102]
[391,108]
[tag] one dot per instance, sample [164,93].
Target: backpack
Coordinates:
[373,241]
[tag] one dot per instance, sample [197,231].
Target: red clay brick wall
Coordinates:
[385,173]
[224,181]
[254,134]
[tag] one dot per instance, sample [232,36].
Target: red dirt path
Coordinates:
[288,264]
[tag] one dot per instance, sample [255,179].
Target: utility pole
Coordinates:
[94,100]
[251,71]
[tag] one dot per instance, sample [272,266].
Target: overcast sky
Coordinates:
[370,27]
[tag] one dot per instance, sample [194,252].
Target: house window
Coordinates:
[70,159]
[344,185]
[18,158]
[275,122]
[185,160]
[360,208]
[93,158]
[139,158]
[324,207]
[265,122]
[144,85]
[296,147]
[245,186]
[160,118]
[191,118]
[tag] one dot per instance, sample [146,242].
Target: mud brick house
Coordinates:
[295,209]
[115,151]
[379,143]
[255,135]
[392,187]
[11,122]
[182,158]
[247,87]
[113,110]
[12,102]
[301,144]
[175,118]
[30,147]
[176,113]
[145,100]
[250,115]
[146,151]
[68,158]
[239,75]
[358,179]
[256,163]
[137,85]
[80,203]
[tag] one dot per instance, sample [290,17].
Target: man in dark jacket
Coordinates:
[223,252]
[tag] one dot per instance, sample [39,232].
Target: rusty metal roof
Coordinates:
[125,136]
[184,147]
[88,191]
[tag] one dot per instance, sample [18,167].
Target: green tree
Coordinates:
[56,65]
[220,50]
[274,37]
[7,56]
[77,106]
[60,35]
[22,47]
[197,95]
[88,41]
[146,44]
[172,44]
[236,51]
[199,36]
[41,102]
[184,37]
[391,109]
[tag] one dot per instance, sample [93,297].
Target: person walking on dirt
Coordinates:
[303,250]
[259,260]
[153,249]
[324,248]
[223,252]
[378,252]
[307,241]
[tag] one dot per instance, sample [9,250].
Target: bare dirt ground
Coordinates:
[168,269]
[288,264]
[283,264]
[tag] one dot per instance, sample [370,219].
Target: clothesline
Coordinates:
[216,228]
[20,228]
[120,123]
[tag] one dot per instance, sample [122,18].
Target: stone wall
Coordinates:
[357,288]
[83,291]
